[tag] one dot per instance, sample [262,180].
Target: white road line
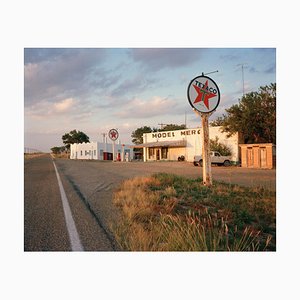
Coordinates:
[71,227]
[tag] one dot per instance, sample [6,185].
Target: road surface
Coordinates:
[45,226]
[89,187]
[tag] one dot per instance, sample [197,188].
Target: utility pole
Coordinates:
[243,81]
[103,134]
[161,125]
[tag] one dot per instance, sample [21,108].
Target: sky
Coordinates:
[96,89]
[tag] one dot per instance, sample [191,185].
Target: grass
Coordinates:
[166,212]
[32,155]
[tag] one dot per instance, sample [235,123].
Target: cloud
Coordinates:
[65,108]
[36,55]
[253,70]
[63,73]
[229,57]
[63,105]
[140,108]
[133,85]
[271,69]
[155,59]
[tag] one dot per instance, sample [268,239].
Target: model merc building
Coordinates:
[169,145]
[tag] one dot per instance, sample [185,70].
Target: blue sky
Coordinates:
[96,89]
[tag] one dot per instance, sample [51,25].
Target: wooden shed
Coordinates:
[258,156]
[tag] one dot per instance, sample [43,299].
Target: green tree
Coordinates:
[215,145]
[217,122]
[254,116]
[170,127]
[137,135]
[58,150]
[73,137]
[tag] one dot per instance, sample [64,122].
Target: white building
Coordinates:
[101,151]
[169,145]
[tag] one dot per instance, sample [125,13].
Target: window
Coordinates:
[94,152]
[80,152]
[164,153]
[151,152]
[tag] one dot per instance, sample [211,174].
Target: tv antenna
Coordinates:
[242,64]
[210,72]
[161,125]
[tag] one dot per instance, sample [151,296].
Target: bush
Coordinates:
[215,145]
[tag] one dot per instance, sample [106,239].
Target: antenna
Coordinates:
[242,64]
[103,134]
[210,72]
[161,125]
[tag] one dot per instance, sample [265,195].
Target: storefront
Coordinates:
[171,145]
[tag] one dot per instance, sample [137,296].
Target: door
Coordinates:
[263,157]
[250,157]
[157,154]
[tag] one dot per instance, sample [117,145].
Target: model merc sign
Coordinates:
[173,134]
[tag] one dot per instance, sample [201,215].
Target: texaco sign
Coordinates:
[113,134]
[203,94]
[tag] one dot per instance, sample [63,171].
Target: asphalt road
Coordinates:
[44,220]
[89,186]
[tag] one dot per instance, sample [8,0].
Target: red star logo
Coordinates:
[203,94]
[113,134]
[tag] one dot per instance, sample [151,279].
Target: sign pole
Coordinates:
[204,96]
[113,150]
[207,175]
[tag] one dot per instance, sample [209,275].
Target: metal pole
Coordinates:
[207,176]
[243,79]
[113,150]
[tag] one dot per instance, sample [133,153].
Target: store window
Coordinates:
[164,153]
[151,153]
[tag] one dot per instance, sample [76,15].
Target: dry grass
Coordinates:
[32,155]
[171,213]
[61,155]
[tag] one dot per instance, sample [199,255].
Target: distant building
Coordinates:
[169,145]
[261,156]
[101,151]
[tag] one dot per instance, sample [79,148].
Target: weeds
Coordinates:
[165,212]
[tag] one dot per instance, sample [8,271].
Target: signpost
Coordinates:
[204,96]
[113,135]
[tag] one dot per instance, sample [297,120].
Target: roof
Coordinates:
[179,143]
[256,145]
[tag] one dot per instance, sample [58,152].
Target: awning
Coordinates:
[180,143]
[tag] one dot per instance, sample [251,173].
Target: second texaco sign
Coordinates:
[113,134]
